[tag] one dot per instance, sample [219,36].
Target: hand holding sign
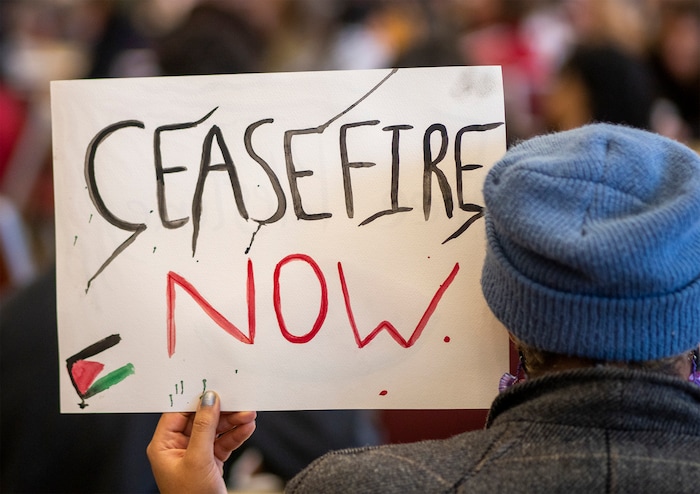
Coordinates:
[188,451]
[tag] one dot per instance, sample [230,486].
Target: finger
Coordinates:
[172,422]
[231,440]
[170,429]
[229,420]
[204,425]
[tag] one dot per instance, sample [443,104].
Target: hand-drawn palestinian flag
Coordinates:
[83,372]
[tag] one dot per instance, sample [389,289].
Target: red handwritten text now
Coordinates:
[174,279]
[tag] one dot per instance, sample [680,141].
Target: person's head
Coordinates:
[600,83]
[215,38]
[593,247]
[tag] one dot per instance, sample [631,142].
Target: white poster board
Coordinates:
[292,240]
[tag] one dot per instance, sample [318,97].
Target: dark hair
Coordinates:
[619,86]
[537,362]
[212,40]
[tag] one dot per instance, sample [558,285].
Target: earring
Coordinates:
[508,379]
[694,376]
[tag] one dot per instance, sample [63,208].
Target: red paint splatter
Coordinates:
[446,339]
[84,373]
[383,392]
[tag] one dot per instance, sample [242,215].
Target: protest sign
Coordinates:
[292,240]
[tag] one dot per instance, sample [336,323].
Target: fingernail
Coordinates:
[208,399]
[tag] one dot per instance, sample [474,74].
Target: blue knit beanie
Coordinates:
[594,243]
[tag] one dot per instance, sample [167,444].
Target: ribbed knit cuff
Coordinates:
[617,329]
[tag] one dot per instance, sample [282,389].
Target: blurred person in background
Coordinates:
[434,36]
[675,58]
[625,24]
[499,32]
[603,75]
[599,83]
[211,39]
[301,37]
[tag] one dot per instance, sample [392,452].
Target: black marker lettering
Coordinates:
[430,168]
[394,175]
[464,227]
[274,181]
[160,171]
[96,198]
[474,208]
[204,169]
[346,164]
[293,174]
[92,182]
[468,167]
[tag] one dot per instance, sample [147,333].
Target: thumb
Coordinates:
[204,426]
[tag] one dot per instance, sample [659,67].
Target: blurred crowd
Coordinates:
[565,62]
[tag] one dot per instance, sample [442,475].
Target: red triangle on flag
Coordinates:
[84,373]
